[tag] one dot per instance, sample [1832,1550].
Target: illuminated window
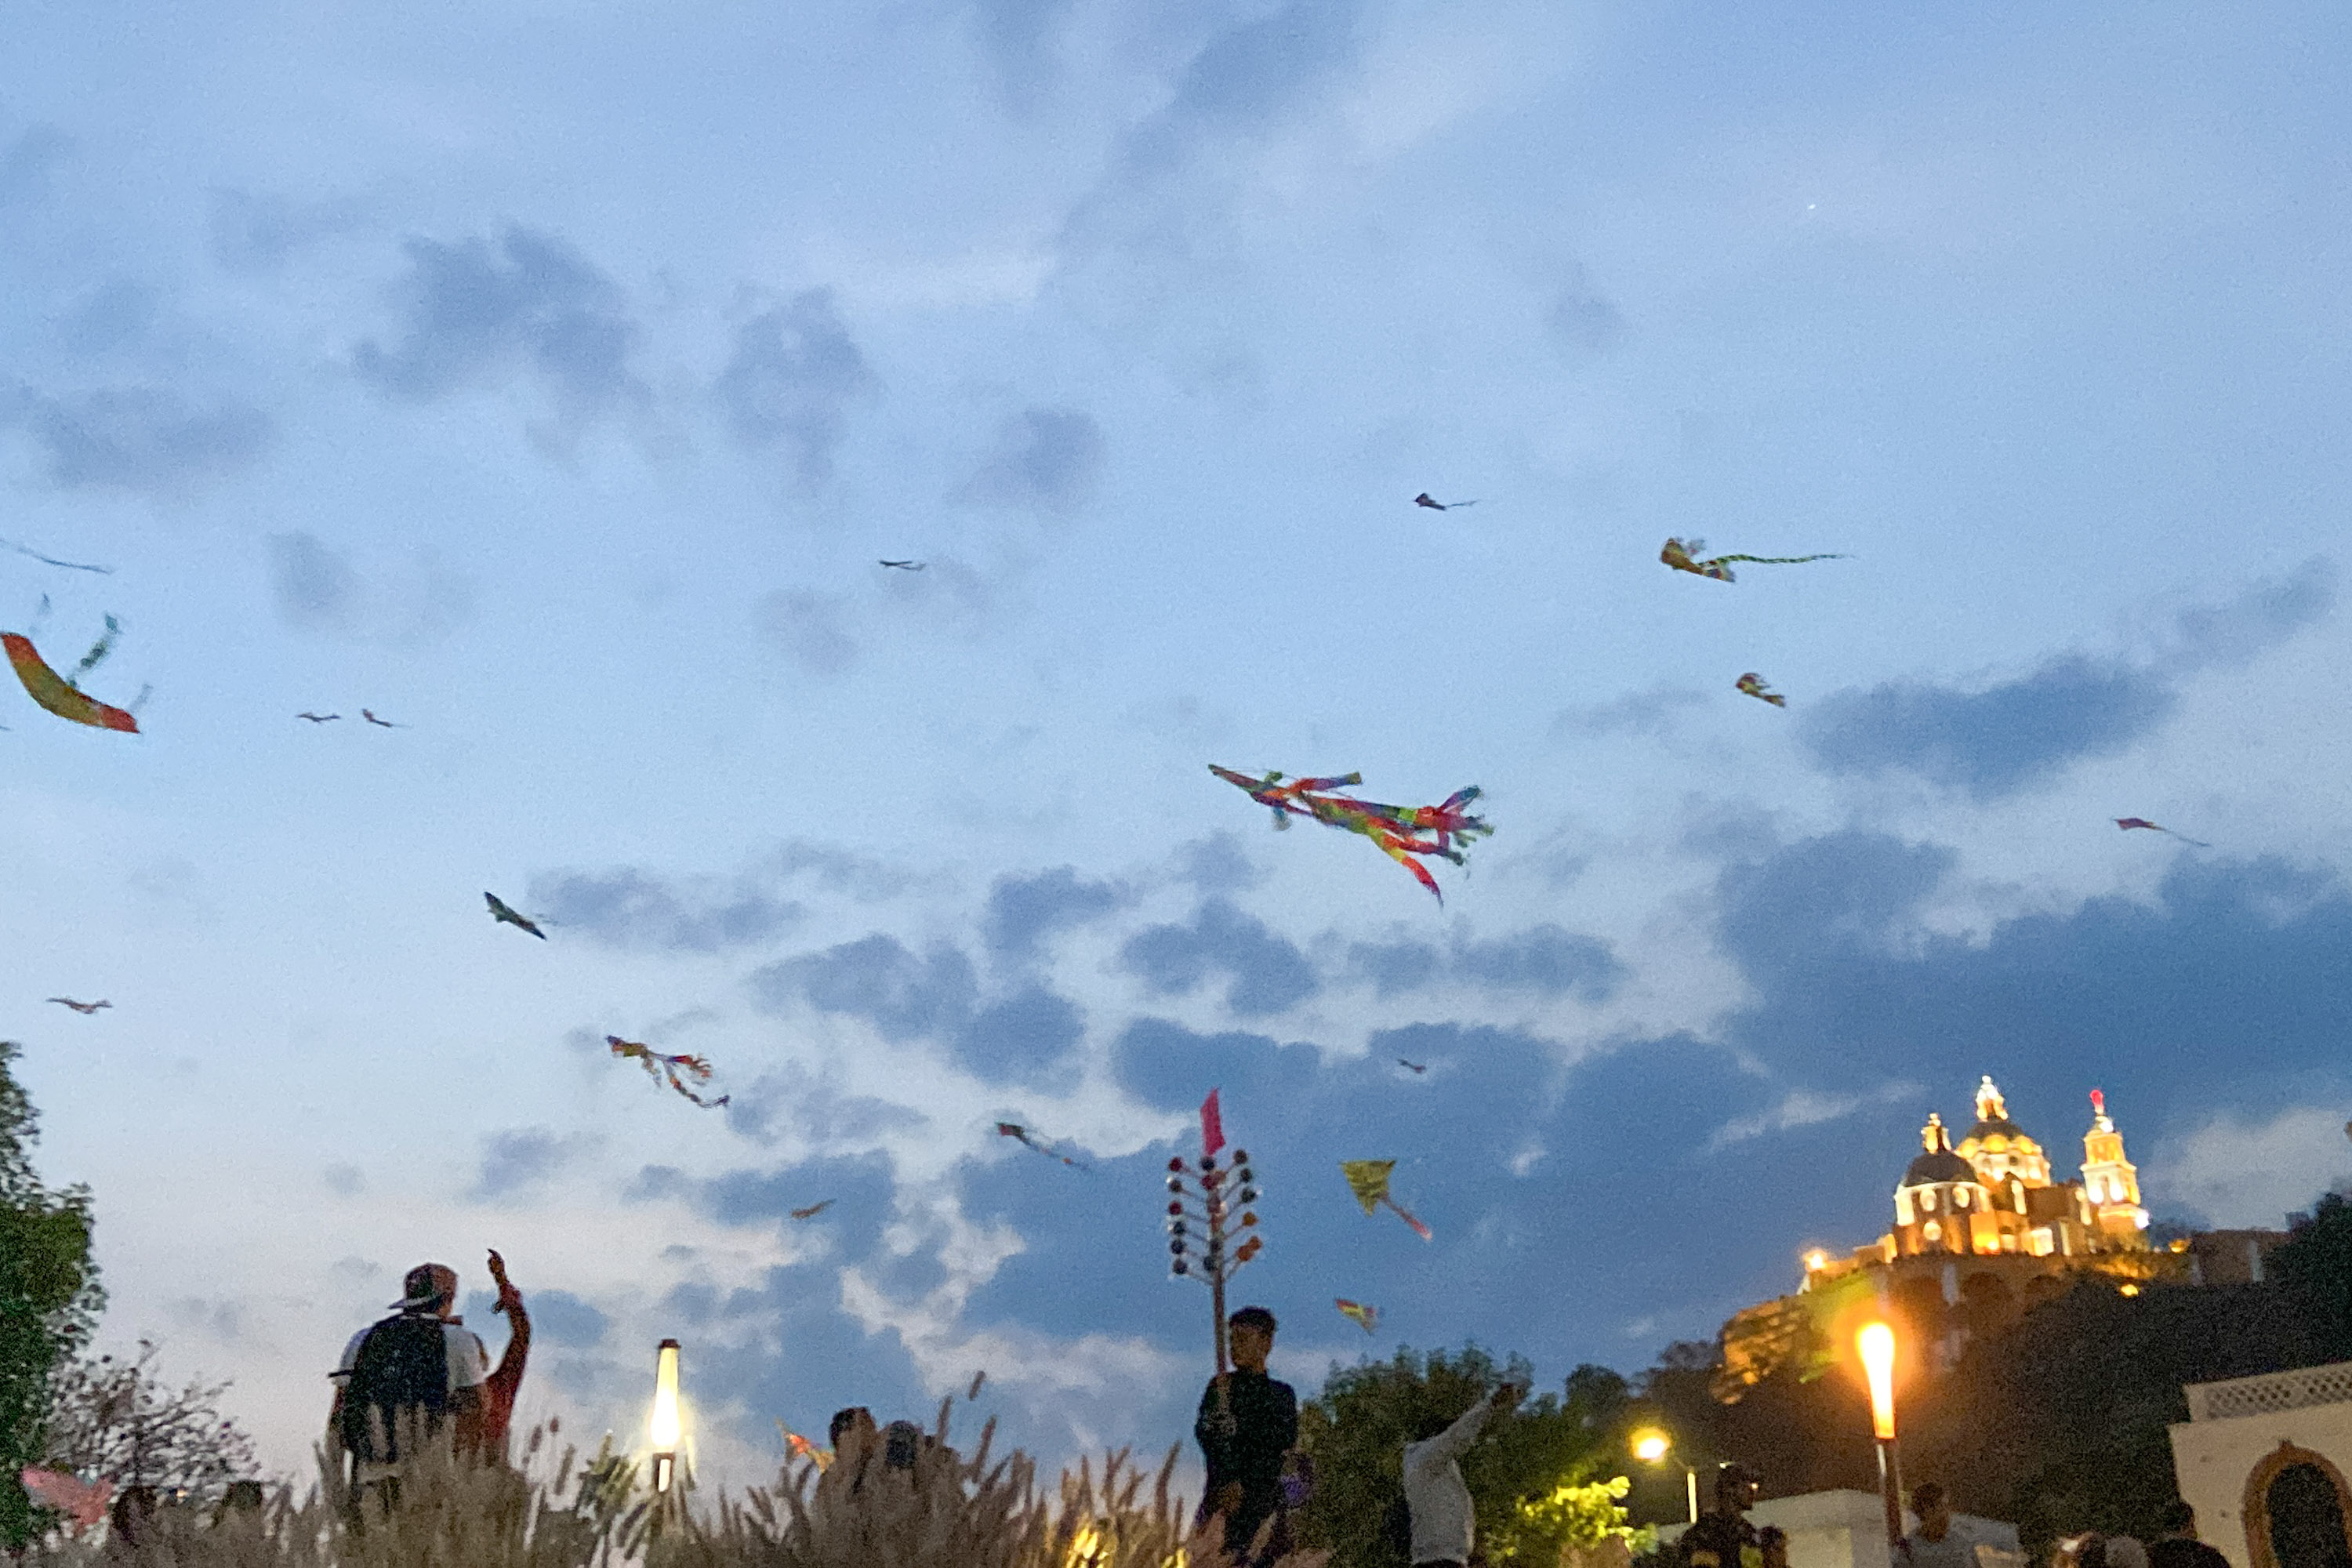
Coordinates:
[1960,1197]
[2008,1241]
[1932,1231]
[2039,1243]
[1928,1200]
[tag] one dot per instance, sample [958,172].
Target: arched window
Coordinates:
[2295,1512]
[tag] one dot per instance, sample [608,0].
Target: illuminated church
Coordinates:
[1982,1228]
[1993,1193]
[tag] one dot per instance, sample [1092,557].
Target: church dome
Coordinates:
[1993,1122]
[1938,1166]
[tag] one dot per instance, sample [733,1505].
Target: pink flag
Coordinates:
[1212,1127]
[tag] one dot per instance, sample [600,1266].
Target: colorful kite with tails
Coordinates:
[1683,555]
[1400,831]
[658,1066]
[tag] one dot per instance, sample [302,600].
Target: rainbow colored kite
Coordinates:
[658,1066]
[1370,1179]
[801,1447]
[1753,684]
[61,694]
[1400,831]
[1366,1317]
[1682,556]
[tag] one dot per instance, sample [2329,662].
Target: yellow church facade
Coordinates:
[1982,1227]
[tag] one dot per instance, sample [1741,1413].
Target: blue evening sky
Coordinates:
[550,379]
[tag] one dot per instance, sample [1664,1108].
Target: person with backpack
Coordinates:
[421,1367]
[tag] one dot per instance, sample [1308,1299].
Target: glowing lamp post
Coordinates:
[1876,1342]
[1651,1446]
[664,1430]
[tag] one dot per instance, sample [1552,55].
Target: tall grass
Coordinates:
[949,1511]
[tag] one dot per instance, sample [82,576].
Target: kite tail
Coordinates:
[1770,560]
[1419,1230]
[98,653]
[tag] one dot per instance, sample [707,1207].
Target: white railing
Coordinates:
[2330,1385]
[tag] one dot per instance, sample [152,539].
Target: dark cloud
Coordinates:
[345,1180]
[1218,864]
[1644,713]
[1264,973]
[1543,960]
[793,370]
[810,630]
[2228,989]
[1992,743]
[316,589]
[1026,913]
[903,997]
[476,314]
[117,314]
[1241,84]
[1022,1039]
[257,234]
[146,439]
[1017,33]
[1044,459]
[27,159]
[522,1157]
[1582,324]
[629,907]
[558,1319]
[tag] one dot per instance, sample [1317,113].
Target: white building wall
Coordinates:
[2234,1425]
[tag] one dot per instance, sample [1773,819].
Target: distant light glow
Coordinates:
[1876,1342]
[1816,1260]
[1650,1446]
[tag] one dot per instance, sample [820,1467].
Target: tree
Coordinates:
[118,1419]
[1356,1430]
[49,1298]
[1566,1523]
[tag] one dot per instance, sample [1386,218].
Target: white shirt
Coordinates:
[469,1364]
[1444,1521]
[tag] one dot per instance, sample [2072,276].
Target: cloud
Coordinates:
[1218,864]
[810,628]
[1264,973]
[25,160]
[1021,1039]
[258,234]
[1017,34]
[145,439]
[1646,713]
[475,314]
[316,589]
[1543,960]
[1026,913]
[1992,743]
[1240,86]
[2225,988]
[793,372]
[1582,324]
[522,1157]
[1805,1108]
[118,312]
[345,1180]
[628,907]
[2252,1171]
[879,981]
[1044,460]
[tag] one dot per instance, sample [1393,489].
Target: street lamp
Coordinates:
[1877,1343]
[664,1428]
[1214,1194]
[1651,1446]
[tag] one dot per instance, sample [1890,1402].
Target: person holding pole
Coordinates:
[1248,1422]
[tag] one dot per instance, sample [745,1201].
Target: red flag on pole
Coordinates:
[1212,1127]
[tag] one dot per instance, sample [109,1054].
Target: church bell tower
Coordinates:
[2110,1181]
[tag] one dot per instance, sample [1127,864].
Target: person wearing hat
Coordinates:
[420,1362]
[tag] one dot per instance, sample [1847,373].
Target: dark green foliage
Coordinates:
[1356,1430]
[2316,1267]
[48,1298]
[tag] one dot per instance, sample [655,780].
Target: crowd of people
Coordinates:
[422,1364]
